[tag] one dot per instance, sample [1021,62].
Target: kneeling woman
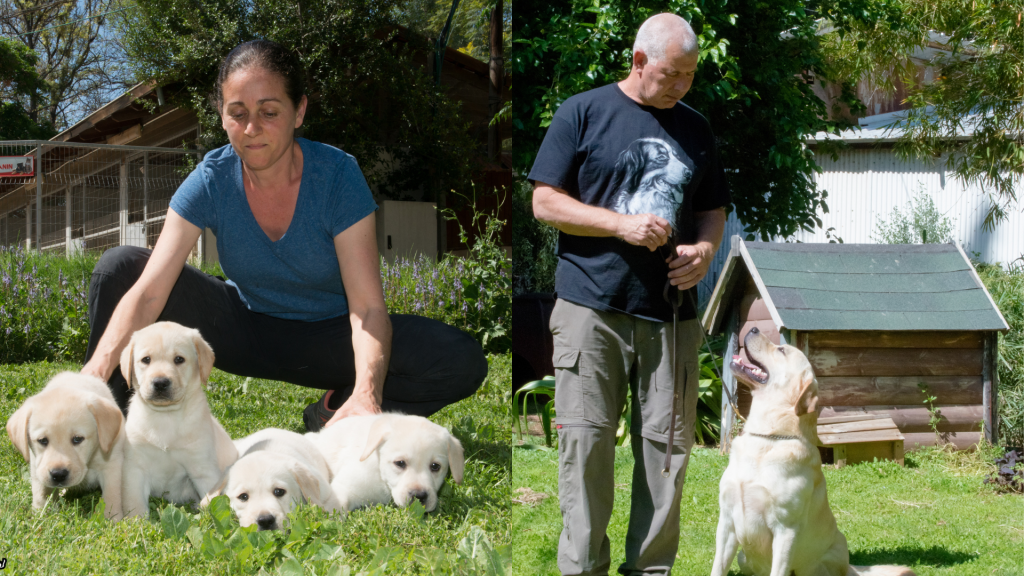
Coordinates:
[295,233]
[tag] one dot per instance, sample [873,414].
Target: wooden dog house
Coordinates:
[875,321]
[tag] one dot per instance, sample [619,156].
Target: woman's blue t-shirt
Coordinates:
[298,276]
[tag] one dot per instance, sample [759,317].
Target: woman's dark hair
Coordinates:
[269,56]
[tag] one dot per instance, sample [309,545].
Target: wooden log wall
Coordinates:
[880,372]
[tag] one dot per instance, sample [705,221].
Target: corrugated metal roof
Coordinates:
[867,287]
[889,127]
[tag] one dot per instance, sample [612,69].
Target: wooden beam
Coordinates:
[729,381]
[897,362]
[712,317]
[878,339]
[961,440]
[990,387]
[760,285]
[916,417]
[873,390]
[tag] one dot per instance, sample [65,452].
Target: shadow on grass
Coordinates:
[912,556]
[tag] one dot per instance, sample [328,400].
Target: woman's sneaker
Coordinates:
[317,414]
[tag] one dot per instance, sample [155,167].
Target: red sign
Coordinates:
[17,166]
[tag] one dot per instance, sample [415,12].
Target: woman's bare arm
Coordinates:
[144,302]
[371,326]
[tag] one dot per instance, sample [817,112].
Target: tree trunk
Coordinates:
[497,74]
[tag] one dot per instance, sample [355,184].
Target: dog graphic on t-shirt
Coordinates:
[650,177]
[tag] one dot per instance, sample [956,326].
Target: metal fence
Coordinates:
[74,197]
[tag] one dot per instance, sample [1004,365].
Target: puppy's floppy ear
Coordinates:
[379,431]
[108,422]
[205,354]
[456,459]
[17,429]
[308,483]
[808,400]
[128,362]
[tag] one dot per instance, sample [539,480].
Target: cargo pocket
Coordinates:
[569,373]
[657,399]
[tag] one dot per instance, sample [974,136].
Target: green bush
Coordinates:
[922,223]
[43,308]
[533,246]
[1007,290]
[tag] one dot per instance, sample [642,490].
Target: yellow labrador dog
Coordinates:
[277,469]
[176,449]
[389,457]
[772,496]
[72,435]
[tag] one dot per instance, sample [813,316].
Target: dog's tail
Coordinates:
[880,571]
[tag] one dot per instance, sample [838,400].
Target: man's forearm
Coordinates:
[710,227]
[556,208]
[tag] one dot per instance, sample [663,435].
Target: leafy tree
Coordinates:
[76,59]
[754,84]
[18,78]
[470,25]
[367,94]
[978,84]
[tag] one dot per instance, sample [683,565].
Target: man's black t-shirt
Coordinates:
[607,150]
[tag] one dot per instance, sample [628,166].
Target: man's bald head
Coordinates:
[660,31]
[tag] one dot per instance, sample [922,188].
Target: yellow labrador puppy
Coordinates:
[772,496]
[389,457]
[72,435]
[176,449]
[277,469]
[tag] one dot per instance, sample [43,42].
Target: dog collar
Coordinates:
[773,436]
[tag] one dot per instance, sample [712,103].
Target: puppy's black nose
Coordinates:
[161,384]
[58,475]
[754,330]
[267,522]
[420,495]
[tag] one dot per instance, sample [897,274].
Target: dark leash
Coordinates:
[676,302]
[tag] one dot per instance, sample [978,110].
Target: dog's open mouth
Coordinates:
[752,370]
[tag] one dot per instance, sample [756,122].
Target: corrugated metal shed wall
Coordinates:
[864,186]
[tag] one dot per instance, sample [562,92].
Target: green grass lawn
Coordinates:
[467,534]
[934,514]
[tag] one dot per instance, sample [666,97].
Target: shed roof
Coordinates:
[859,287]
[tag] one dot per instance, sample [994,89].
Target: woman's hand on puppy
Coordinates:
[358,404]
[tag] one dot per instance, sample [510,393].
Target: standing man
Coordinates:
[630,177]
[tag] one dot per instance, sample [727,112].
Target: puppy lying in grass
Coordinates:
[175,447]
[72,435]
[772,496]
[389,457]
[276,470]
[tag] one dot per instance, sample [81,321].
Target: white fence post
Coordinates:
[123,194]
[67,220]
[39,196]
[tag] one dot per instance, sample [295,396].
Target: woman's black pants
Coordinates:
[432,364]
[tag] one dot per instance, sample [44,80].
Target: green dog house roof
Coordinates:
[885,287]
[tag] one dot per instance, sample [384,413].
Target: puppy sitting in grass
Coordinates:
[175,448]
[72,435]
[389,457]
[276,470]
[772,498]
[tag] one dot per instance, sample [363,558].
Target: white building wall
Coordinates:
[864,185]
